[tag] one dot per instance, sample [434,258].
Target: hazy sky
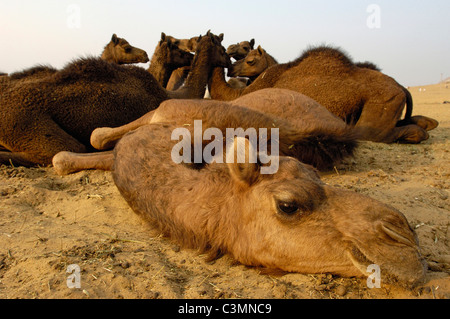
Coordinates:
[408,39]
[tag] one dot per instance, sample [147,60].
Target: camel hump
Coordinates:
[326,52]
[92,69]
[36,70]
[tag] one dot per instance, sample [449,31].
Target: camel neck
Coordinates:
[160,71]
[220,89]
[195,85]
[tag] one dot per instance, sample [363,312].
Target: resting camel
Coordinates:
[308,131]
[365,98]
[240,50]
[166,58]
[41,116]
[119,51]
[288,220]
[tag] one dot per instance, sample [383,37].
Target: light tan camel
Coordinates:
[166,58]
[52,111]
[119,51]
[308,131]
[240,50]
[288,220]
[366,98]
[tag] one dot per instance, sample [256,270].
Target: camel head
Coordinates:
[256,62]
[119,51]
[240,50]
[188,45]
[292,221]
[218,53]
[172,53]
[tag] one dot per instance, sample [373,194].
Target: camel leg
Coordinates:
[424,122]
[104,138]
[17,159]
[408,134]
[37,146]
[66,163]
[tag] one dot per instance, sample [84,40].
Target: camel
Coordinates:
[179,75]
[288,220]
[254,63]
[188,45]
[166,58]
[367,99]
[119,51]
[308,131]
[42,116]
[240,50]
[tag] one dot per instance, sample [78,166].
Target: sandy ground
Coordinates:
[48,222]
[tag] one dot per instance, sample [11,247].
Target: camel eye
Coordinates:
[251,62]
[127,49]
[288,208]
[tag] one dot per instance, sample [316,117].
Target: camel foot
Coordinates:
[424,122]
[102,138]
[63,164]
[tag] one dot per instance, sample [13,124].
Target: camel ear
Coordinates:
[221,37]
[260,50]
[163,36]
[114,39]
[241,161]
[252,43]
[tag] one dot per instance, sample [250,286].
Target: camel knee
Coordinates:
[424,122]
[101,138]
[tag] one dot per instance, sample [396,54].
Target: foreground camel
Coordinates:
[119,51]
[289,220]
[363,97]
[307,131]
[166,58]
[240,50]
[43,115]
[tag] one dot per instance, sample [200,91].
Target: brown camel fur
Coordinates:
[240,50]
[43,115]
[166,58]
[289,220]
[179,75]
[308,131]
[366,98]
[119,51]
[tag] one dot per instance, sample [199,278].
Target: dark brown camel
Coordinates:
[166,58]
[240,50]
[366,98]
[119,51]
[179,75]
[308,131]
[288,220]
[42,116]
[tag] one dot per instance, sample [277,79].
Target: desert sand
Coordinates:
[48,222]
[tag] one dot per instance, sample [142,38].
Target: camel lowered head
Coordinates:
[292,221]
[119,51]
[240,50]
[286,220]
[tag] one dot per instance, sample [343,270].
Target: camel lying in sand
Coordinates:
[288,220]
[167,58]
[363,97]
[52,111]
[308,131]
[119,51]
